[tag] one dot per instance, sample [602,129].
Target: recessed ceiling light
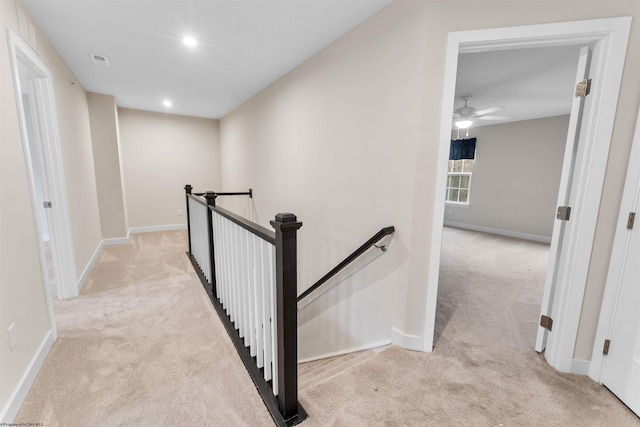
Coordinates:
[166,103]
[190,41]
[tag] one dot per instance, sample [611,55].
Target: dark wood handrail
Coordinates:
[362,249]
[250,226]
[198,197]
[284,407]
[215,194]
[257,229]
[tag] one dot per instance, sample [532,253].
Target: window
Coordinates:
[459,181]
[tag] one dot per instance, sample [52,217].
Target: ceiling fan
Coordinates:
[464,117]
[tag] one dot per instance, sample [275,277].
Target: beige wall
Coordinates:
[161,153]
[106,159]
[22,298]
[349,142]
[334,142]
[77,155]
[516,175]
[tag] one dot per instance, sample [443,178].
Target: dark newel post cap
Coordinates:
[211,197]
[188,188]
[285,221]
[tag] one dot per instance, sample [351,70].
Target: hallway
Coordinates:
[142,347]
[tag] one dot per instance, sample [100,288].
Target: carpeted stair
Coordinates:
[317,371]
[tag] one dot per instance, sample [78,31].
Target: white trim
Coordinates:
[122,241]
[610,37]
[115,242]
[618,258]
[369,346]
[408,342]
[18,396]
[60,224]
[595,138]
[574,154]
[89,266]
[154,228]
[580,367]
[501,232]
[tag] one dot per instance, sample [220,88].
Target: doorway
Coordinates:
[616,355]
[609,39]
[38,123]
[518,103]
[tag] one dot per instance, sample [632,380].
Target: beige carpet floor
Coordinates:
[143,347]
[483,371]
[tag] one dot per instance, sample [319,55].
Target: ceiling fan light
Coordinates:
[463,124]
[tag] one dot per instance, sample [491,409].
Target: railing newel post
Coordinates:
[278,291]
[211,202]
[187,189]
[286,226]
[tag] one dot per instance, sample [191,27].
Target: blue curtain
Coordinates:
[462,149]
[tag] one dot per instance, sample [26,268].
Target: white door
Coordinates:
[621,366]
[564,196]
[34,90]
[40,185]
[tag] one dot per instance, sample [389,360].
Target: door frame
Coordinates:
[618,258]
[609,39]
[53,171]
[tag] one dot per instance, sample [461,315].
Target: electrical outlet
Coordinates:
[13,336]
[179,212]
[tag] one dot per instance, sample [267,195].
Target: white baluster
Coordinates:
[274,325]
[257,286]
[266,310]
[251,324]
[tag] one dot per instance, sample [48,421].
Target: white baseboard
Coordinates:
[408,342]
[122,241]
[580,367]
[508,233]
[16,399]
[87,269]
[369,346]
[115,242]
[153,228]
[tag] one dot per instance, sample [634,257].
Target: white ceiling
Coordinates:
[245,45]
[529,83]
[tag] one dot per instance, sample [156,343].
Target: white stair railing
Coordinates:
[245,284]
[250,275]
[198,235]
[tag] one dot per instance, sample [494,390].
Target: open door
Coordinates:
[621,349]
[37,115]
[564,199]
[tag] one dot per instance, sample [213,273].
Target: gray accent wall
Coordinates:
[516,174]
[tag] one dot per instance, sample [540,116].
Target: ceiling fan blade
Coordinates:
[493,118]
[488,110]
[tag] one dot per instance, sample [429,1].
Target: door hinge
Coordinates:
[564,213]
[47,205]
[546,322]
[583,88]
[631,220]
[605,348]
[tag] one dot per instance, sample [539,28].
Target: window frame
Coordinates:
[462,173]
